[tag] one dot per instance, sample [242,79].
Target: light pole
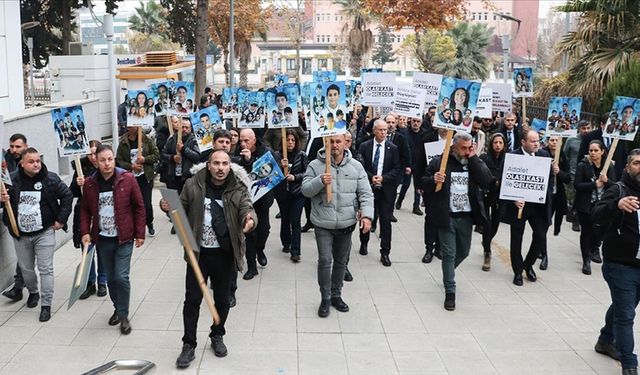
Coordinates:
[506,44]
[232,43]
[107,26]
[29,41]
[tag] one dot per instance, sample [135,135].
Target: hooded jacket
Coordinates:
[351,192]
[236,206]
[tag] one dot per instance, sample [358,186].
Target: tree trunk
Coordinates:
[202,25]
[244,72]
[298,76]
[66,27]
[355,63]
[225,56]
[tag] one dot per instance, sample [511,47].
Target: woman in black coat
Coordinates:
[289,196]
[494,159]
[590,184]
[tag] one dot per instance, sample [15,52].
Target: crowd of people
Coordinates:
[372,167]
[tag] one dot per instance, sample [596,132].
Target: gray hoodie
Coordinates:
[351,192]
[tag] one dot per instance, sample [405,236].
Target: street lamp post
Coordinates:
[107,26]
[32,84]
[232,43]
[506,44]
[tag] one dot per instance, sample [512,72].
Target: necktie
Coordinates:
[376,158]
[510,140]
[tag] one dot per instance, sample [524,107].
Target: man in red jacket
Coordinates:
[112,217]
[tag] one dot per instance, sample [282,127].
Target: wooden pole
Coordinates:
[85,250]
[79,169]
[445,157]
[556,157]
[284,150]
[520,212]
[169,125]
[7,206]
[140,140]
[193,262]
[524,110]
[327,169]
[612,150]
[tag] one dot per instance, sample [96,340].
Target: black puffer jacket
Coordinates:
[586,175]
[190,155]
[297,166]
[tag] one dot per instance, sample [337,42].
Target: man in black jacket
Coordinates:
[400,140]
[180,156]
[510,132]
[381,160]
[251,149]
[617,213]
[537,214]
[17,145]
[41,204]
[456,206]
[415,134]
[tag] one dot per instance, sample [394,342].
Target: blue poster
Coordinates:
[324,76]
[328,109]
[230,102]
[161,97]
[251,107]
[280,79]
[541,127]
[282,106]
[140,108]
[204,123]
[624,118]
[70,128]
[563,116]
[370,70]
[457,103]
[523,82]
[265,175]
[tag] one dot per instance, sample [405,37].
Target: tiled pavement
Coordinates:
[396,325]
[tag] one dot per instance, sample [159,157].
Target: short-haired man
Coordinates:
[457,206]
[180,156]
[510,132]
[41,204]
[617,212]
[335,221]
[572,150]
[112,217]
[17,145]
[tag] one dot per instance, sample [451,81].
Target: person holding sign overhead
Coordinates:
[537,214]
[457,206]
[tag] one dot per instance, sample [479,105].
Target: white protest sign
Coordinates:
[431,84]
[378,89]
[409,101]
[484,106]
[501,96]
[525,178]
[433,149]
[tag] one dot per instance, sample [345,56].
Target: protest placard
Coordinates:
[433,149]
[525,178]
[409,101]
[324,76]
[230,103]
[140,108]
[251,107]
[378,89]
[70,129]
[265,175]
[457,104]
[563,115]
[501,96]
[328,109]
[485,102]
[204,123]
[431,84]
[624,119]
[523,82]
[282,106]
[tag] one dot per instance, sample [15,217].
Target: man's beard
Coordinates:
[461,160]
[636,178]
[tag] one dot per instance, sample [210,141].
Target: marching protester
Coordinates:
[217,204]
[617,214]
[494,160]
[17,145]
[381,161]
[590,184]
[251,149]
[538,215]
[572,150]
[180,156]
[414,135]
[112,218]
[141,165]
[399,138]
[558,202]
[289,195]
[510,132]
[336,220]
[89,165]
[457,206]
[41,205]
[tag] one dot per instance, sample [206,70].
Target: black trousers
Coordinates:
[215,265]
[257,239]
[590,238]
[539,226]
[146,188]
[384,208]
[557,212]
[491,228]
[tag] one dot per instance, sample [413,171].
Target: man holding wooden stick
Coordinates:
[336,218]
[112,217]
[219,209]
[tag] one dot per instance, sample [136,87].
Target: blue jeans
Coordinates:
[117,264]
[102,274]
[455,242]
[624,285]
[291,210]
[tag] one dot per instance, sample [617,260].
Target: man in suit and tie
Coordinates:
[537,214]
[381,160]
[510,132]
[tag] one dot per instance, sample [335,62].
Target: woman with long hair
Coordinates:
[460,99]
[590,183]
[494,159]
[289,196]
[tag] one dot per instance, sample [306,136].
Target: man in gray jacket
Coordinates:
[334,221]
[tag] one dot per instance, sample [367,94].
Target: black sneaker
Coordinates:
[232,300]
[417,211]
[114,320]
[152,231]
[250,274]
[348,277]
[323,310]
[308,226]
[187,355]
[218,346]
[339,304]
[607,349]
[33,299]
[45,313]
[595,257]
[102,290]
[91,290]
[295,258]
[125,326]
[14,294]
[262,259]
[450,301]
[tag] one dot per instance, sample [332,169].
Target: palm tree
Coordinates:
[606,41]
[470,61]
[150,19]
[359,37]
